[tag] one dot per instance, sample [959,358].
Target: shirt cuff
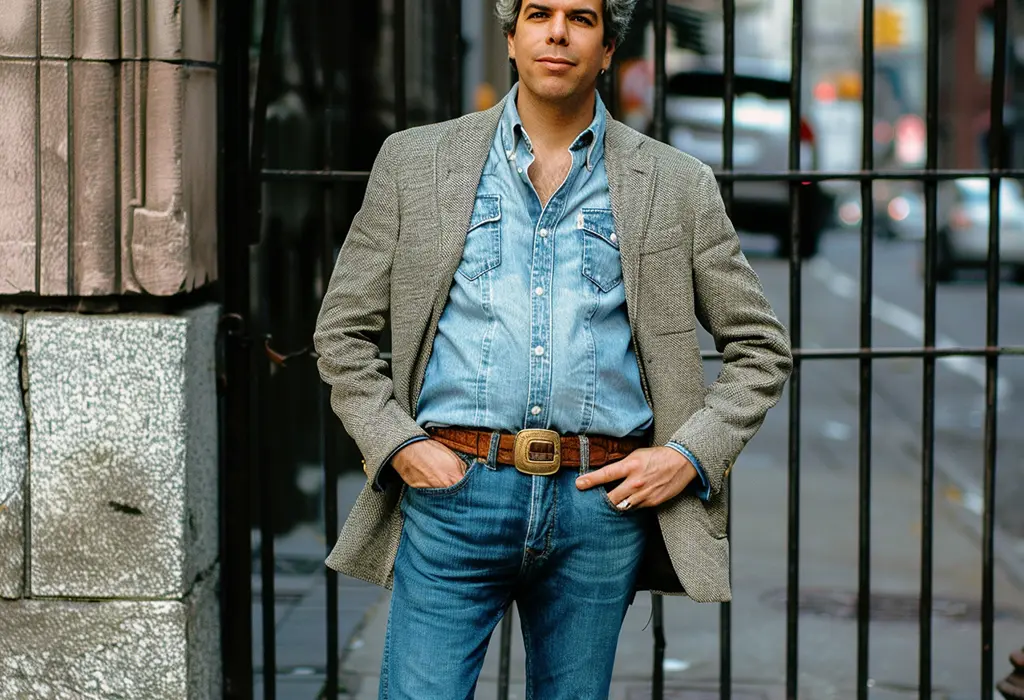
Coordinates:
[705,486]
[387,470]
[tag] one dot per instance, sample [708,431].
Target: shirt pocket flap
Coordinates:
[601,223]
[486,210]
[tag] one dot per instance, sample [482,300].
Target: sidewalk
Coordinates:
[828,571]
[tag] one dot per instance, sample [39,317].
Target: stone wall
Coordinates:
[108,524]
[108,134]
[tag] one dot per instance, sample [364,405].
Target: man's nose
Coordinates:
[558,27]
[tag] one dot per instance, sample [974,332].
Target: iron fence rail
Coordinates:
[244,173]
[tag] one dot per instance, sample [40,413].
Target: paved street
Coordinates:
[828,508]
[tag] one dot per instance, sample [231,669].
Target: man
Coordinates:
[544,435]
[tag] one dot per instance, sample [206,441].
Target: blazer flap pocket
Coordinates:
[487,209]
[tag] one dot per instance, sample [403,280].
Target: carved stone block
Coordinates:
[114,649]
[17,176]
[118,100]
[177,30]
[123,460]
[18,28]
[13,459]
[173,236]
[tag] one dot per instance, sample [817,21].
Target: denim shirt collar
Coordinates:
[513,132]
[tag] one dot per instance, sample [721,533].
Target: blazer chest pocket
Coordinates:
[601,262]
[482,252]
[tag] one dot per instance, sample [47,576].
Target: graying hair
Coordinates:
[617,14]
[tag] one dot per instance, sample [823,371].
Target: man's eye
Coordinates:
[535,15]
[584,19]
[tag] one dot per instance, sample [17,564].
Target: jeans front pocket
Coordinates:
[471,465]
[482,252]
[601,262]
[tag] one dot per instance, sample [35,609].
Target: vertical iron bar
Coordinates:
[795,293]
[728,131]
[455,73]
[401,101]
[658,673]
[261,384]
[660,29]
[996,162]
[928,407]
[866,389]
[661,134]
[504,662]
[264,74]
[235,24]
[328,20]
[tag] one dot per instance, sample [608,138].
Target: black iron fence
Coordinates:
[310,88]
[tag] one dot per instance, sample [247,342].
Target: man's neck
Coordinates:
[554,126]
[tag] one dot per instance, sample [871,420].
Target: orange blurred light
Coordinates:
[825,92]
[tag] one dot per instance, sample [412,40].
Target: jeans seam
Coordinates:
[528,644]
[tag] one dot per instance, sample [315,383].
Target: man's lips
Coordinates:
[555,60]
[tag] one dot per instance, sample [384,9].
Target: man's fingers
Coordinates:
[609,472]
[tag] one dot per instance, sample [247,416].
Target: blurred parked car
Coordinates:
[963,223]
[898,211]
[695,116]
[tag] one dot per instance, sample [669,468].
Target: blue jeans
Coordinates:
[568,558]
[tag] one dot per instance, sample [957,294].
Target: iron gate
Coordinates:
[315,56]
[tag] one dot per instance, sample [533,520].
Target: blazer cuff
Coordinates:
[386,472]
[705,486]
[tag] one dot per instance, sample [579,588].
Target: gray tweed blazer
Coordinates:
[681,263]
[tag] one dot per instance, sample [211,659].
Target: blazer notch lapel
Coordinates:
[632,172]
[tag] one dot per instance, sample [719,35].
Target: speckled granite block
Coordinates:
[13,460]
[114,649]
[123,460]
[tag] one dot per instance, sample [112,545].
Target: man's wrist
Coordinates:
[704,489]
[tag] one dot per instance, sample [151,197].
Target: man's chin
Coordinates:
[553,88]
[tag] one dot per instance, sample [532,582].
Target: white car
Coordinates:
[761,118]
[963,222]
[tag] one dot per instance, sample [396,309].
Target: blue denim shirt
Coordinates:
[535,333]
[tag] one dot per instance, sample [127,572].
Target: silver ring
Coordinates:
[625,505]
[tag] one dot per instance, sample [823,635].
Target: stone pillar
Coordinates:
[108,418]
[108,133]
[109,532]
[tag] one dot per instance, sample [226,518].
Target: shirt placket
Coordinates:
[541,278]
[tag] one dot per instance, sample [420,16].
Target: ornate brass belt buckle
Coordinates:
[538,452]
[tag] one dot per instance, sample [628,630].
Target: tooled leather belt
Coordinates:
[538,452]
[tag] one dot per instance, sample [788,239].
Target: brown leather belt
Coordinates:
[538,452]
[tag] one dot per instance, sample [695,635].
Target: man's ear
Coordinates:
[609,52]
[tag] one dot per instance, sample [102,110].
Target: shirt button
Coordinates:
[539,291]
[520,170]
[614,238]
[535,410]
[543,233]
[539,350]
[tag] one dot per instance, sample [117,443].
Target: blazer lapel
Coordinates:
[460,160]
[631,174]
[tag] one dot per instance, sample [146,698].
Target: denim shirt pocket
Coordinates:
[601,262]
[482,252]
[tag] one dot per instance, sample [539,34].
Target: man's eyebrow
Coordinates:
[577,11]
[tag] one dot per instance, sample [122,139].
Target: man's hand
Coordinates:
[427,464]
[652,476]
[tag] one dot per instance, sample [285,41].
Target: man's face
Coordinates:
[558,47]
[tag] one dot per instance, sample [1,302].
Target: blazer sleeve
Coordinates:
[730,303]
[352,317]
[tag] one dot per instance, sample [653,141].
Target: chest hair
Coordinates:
[548,171]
